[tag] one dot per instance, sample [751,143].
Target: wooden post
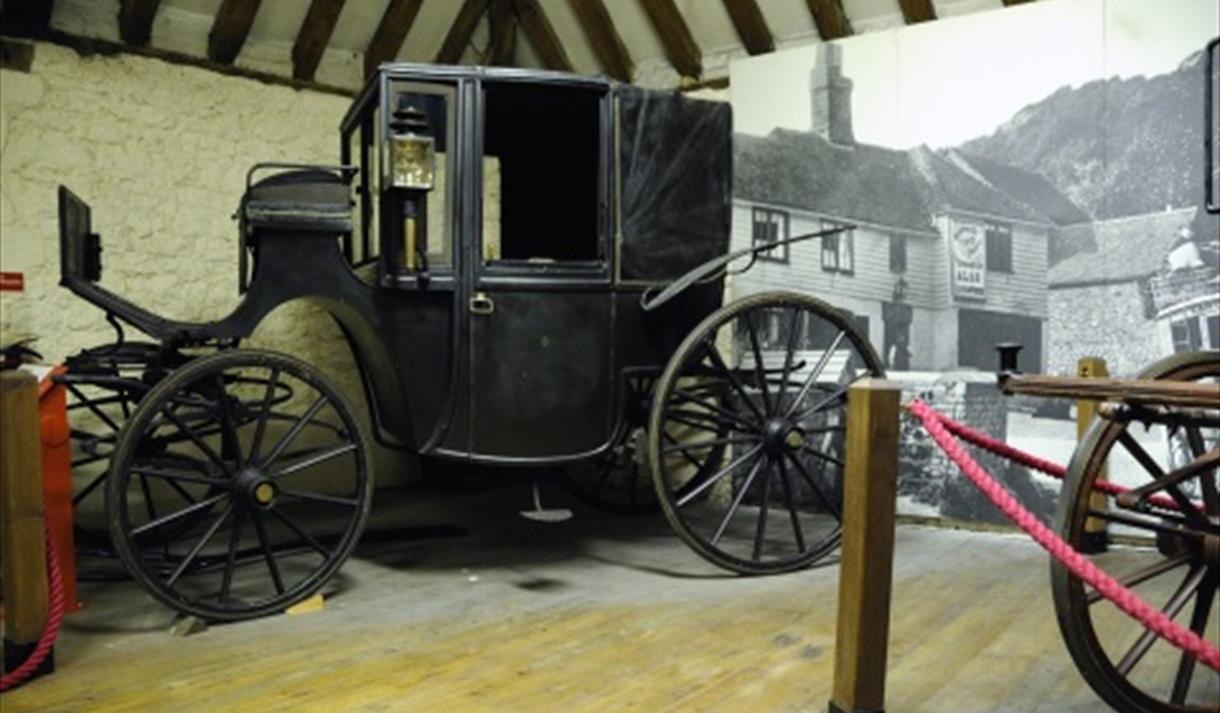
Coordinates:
[869,495]
[22,538]
[1096,538]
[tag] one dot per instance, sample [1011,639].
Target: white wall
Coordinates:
[160,152]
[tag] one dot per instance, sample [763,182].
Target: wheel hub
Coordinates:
[255,489]
[780,436]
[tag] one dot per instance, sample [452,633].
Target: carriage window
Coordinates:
[541,193]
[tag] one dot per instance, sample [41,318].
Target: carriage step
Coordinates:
[541,514]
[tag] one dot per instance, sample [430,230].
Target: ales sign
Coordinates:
[968,248]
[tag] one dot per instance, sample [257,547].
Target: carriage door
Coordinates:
[539,309]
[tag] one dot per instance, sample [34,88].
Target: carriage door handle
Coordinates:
[480,303]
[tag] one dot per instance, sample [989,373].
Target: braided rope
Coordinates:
[1002,449]
[1126,600]
[46,642]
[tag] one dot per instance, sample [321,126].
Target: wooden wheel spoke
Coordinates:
[710,443]
[268,556]
[319,498]
[728,516]
[172,474]
[789,355]
[760,372]
[1175,477]
[724,369]
[175,516]
[839,394]
[296,429]
[193,437]
[1164,523]
[226,581]
[790,502]
[93,407]
[824,456]
[203,541]
[1198,620]
[264,413]
[84,492]
[321,455]
[712,479]
[1171,609]
[684,396]
[309,539]
[817,491]
[1143,575]
[815,373]
[1158,474]
[761,532]
[685,454]
[696,420]
[228,428]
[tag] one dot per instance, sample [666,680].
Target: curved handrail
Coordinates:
[709,269]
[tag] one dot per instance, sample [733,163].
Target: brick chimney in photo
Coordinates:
[830,93]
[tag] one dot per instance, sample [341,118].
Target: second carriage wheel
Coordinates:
[1170,556]
[747,430]
[239,486]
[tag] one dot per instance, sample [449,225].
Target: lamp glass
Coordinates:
[413,162]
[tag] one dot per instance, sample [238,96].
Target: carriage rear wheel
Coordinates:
[239,486]
[1170,557]
[747,429]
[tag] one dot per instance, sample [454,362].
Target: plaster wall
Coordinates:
[160,152]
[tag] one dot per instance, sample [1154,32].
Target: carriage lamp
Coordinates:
[412,150]
[412,168]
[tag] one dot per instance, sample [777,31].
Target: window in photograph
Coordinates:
[838,250]
[1187,336]
[898,254]
[999,247]
[771,226]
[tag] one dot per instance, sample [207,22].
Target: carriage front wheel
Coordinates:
[747,428]
[1169,556]
[239,486]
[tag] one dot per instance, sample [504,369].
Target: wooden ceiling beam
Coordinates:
[830,18]
[136,19]
[313,37]
[914,11]
[230,29]
[503,24]
[1010,3]
[604,38]
[751,26]
[680,47]
[458,37]
[542,35]
[395,23]
[30,15]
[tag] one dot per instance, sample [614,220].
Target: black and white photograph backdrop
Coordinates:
[1031,176]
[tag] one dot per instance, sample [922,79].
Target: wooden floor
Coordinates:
[476,609]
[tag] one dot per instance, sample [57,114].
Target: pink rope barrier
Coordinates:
[1126,600]
[1002,449]
[46,642]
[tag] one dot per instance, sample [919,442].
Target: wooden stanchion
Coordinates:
[869,499]
[22,535]
[1096,537]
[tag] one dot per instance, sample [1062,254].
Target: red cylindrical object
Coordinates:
[57,478]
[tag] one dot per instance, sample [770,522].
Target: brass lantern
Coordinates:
[412,150]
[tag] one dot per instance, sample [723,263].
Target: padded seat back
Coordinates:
[301,200]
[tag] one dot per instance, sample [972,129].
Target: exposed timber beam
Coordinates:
[1010,3]
[26,15]
[136,19]
[395,23]
[751,26]
[914,11]
[542,35]
[604,38]
[680,46]
[313,37]
[830,18]
[458,37]
[503,24]
[230,29]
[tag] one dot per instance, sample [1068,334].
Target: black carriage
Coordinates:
[529,269]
